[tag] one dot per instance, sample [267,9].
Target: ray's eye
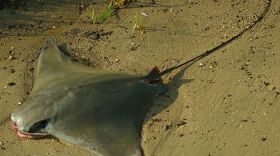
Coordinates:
[39,126]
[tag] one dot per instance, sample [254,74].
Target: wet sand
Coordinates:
[224,104]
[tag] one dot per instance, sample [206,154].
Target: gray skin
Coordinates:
[98,110]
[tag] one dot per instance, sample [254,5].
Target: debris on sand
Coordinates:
[11,84]
[263,138]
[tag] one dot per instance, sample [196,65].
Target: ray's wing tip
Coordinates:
[50,41]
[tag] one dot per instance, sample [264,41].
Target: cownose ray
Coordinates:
[100,111]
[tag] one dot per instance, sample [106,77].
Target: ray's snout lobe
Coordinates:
[32,117]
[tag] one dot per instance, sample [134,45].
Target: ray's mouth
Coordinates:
[36,131]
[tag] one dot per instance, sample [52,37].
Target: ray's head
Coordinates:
[34,116]
[32,119]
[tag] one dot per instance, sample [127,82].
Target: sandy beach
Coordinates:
[225,104]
